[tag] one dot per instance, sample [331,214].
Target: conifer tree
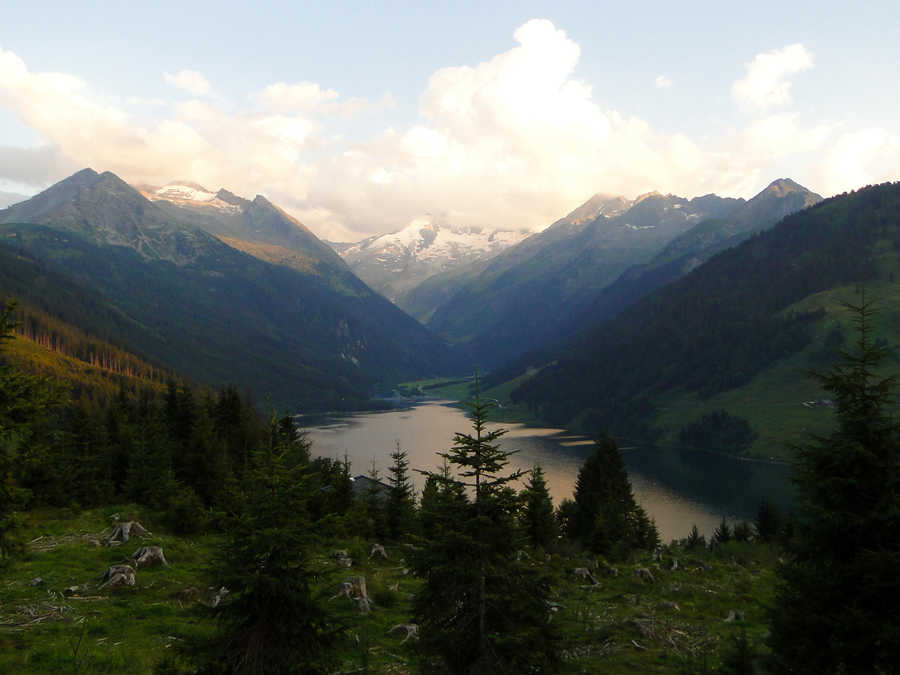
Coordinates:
[768,521]
[836,606]
[722,534]
[607,519]
[24,400]
[480,609]
[538,518]
[272,624]
[400,507]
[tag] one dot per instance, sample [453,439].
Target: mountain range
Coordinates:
[395,264]
[738,333]
[312,335]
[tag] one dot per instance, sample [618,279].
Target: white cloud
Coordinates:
[516,140]
[662,82]
[765,84]
[191,81]
[859,158]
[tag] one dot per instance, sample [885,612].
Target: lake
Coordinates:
[677,488]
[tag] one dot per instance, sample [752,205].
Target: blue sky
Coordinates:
[360,117]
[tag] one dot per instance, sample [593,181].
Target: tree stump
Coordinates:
[215,596]
[644,574]
[584,574]
[149,555]
[117,576]
[122,532]
[409,631]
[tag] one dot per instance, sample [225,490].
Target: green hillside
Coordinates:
[740,333]
[185,299]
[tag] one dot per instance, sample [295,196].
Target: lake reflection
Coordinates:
[677,488]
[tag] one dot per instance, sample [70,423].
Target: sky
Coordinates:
[358,118]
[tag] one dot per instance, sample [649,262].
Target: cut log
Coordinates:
[117,576]
[149,555]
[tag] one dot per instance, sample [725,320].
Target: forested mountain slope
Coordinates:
[529,290]
[214,313]
[729,322]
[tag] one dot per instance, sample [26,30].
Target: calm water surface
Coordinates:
[677,488]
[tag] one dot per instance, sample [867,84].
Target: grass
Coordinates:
[622,624]
[772,402]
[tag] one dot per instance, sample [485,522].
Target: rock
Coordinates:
[149,555]
[123,531]
[378,549]
[584,574]
[363,605]
[215,596]
[72,590]
[117,576]
[337,554]
[409,631]
[345,562]
[37,581]
[644,574]
[734,615]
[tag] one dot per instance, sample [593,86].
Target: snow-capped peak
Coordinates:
[186,193]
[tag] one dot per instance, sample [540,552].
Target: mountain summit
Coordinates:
[395,263]
[315,338]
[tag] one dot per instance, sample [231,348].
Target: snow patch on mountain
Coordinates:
[396,262]
[186,193]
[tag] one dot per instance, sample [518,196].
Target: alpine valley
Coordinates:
[216,287]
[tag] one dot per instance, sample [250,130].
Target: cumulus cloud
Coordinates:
[662,82]
[514,141]
[191,81]
[862,157]
[765,84]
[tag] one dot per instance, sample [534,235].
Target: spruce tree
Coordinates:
[722,534]
[538,518]
[607,519]
[272,623]
[481,610]
[768,521]
[836,606]
[400,507]
[24,401]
